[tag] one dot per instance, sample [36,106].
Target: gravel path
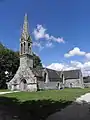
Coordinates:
[84,98]
[1,93]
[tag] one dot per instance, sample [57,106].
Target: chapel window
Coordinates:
[24,47]
[28,46]
[21,48]
[45,77]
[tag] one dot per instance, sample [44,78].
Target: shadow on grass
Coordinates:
[13,109]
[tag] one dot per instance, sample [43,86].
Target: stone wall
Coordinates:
[26,74]
[41,85]
[49,85]
[26,61]
[86,85]
[32,87]
[73,83]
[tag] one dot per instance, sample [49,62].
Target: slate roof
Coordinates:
[37,72]
[54,75]
[72,74]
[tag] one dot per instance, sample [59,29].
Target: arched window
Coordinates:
[24,47]
[71,85]
[45,76]
[28,46]
[57,85]
[62,76]
[21,48]
[24,81]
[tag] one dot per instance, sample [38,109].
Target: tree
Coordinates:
[9,61]
[36,61]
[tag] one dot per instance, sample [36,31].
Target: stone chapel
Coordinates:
[30,79]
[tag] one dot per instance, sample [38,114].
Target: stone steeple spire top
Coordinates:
[26,55]
[25,32]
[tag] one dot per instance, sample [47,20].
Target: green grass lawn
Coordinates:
[56,95]
[39,105]
[4,90]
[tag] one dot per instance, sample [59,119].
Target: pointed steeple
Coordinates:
[25,40]
[25,32]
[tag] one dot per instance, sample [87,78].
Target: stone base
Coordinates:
[24,80]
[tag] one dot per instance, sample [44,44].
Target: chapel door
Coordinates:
[23,85]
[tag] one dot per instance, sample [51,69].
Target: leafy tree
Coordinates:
[9,61]
[36,61]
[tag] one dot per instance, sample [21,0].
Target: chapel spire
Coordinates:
[25,32]
[25,40]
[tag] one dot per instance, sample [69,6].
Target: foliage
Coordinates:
[9,61]
[36,61]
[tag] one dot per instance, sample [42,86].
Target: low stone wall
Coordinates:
[76,83]
[41,85]
[29,87]
[73,83]
[32,87]
[86,85]
[49,85]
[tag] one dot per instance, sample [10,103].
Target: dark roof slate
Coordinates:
[37,72]
[54,75]
[72,74]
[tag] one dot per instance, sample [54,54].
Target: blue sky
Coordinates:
[65,19]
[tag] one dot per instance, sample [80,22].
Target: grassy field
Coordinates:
[38,105]
[56,95]
[4,90]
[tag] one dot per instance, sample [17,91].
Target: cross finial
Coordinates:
[25,18]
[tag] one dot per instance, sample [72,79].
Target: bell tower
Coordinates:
[26,55]
[24,79]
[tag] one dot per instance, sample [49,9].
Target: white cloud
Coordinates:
[62,66]
[85,67]
[38,45]
[76,64]
[49,44]
[58,39]
[75,51]
[87,55]
[40,32]
[43,65]
[47,36]
[56,66]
